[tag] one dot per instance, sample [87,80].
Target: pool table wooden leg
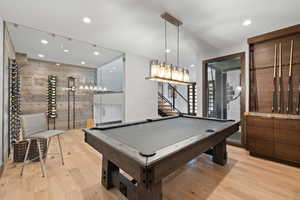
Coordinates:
[220,153]
[108,168]
[153,193]
[111,177]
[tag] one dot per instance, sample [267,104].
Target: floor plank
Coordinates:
[243,178]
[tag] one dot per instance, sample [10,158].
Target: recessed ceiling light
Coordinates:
[247,22]
[66,50]
[86,20]
[41,56]
[82,62]
[168,50]
[44,41]
[57,64]
[96,53]
[192,65]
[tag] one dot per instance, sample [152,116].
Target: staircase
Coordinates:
[168,107]
[168,110]
[165,107]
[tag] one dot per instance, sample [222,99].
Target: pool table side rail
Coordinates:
[121,155]
[174,148]
[103,128]
[122,125]
[171,158]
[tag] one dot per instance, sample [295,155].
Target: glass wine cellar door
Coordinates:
[224,91]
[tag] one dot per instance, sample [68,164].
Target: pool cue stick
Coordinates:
[298,106]
[253,81]
[289,107]
[274,105]
[280,80]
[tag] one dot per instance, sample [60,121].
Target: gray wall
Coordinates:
[34,85]
[9,53]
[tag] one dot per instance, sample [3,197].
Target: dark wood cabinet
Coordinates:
[274,136]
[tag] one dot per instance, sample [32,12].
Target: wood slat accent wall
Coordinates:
[34,84]
[263,66]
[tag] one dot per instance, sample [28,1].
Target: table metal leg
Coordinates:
[48,145]
[41,158]
[26,156]
[60,150]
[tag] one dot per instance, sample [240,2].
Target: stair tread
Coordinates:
[167,109]
[172,113]
[164,105]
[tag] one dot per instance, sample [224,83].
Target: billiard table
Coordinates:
[152,149]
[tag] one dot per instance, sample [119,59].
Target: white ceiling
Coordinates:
[28,41]
[210,26]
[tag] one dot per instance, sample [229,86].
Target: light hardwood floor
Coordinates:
[243,178]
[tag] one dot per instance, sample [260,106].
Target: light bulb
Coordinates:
[176,74]
[167,71]
[162,70]
[154,66]
[186,75]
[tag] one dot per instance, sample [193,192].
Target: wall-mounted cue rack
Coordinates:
[14,101]
[274,60]
[52,113]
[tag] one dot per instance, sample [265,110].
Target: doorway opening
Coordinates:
[223,88]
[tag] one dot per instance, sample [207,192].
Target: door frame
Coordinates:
[242,56]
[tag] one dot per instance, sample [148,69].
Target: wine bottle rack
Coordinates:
[14,101]
[52,113]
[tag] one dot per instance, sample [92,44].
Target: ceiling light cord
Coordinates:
[177,46]
[166,43]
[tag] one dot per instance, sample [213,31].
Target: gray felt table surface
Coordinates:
[153,136]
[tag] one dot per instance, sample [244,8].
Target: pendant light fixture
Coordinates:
[164,72]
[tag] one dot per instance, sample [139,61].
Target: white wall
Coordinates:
[1,92]
[141,98]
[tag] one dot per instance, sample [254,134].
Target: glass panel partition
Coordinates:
[109,104]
